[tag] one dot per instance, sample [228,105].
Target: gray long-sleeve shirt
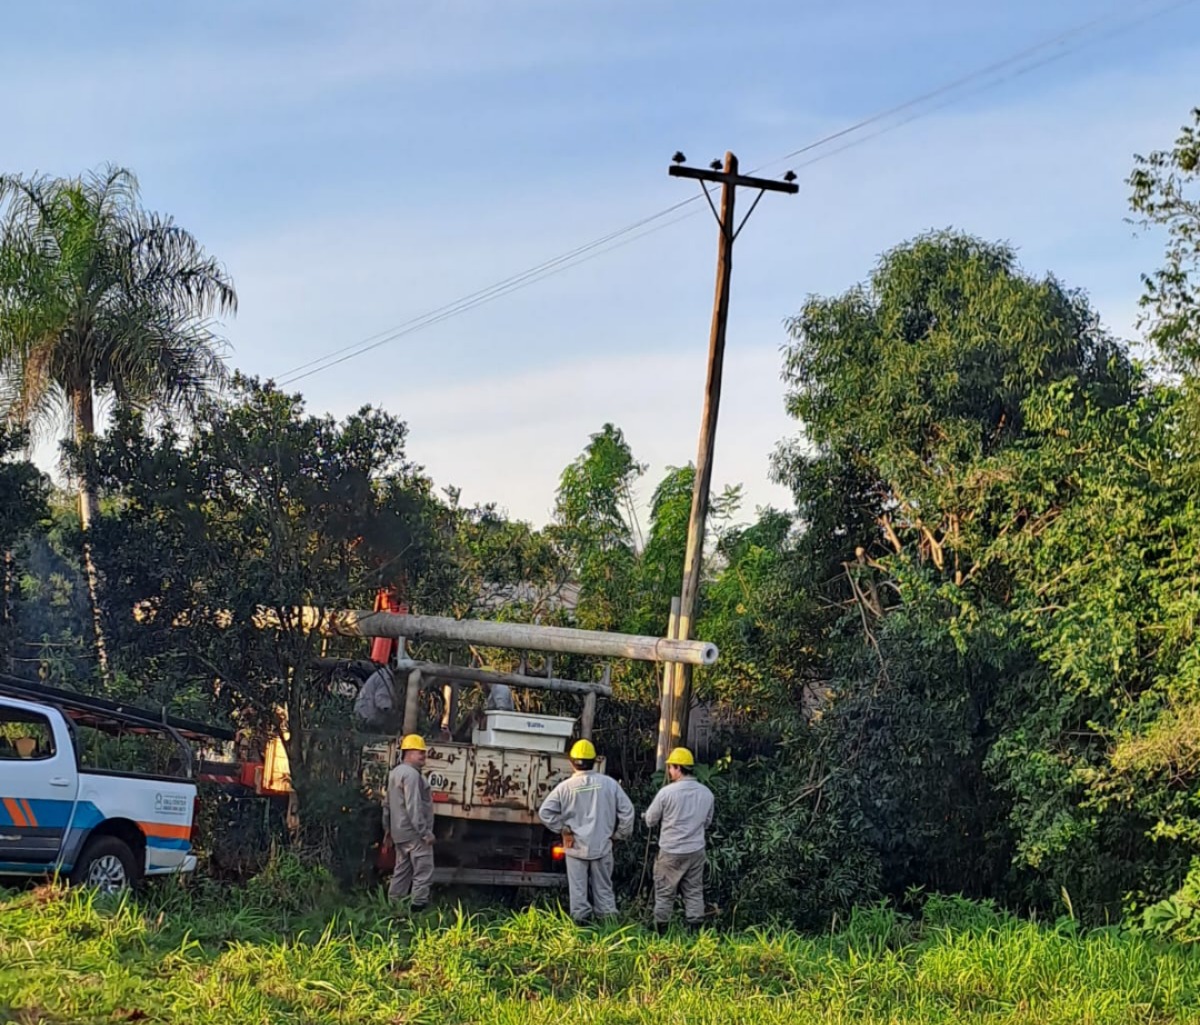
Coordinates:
[408,811]
[376,699]
[499,697]
[685,810]
[593,808]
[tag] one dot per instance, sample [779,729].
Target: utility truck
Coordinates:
[486,795]
[487,789]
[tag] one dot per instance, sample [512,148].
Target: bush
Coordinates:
[1177,917]
[783,847]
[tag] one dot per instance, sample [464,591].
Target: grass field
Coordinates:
[291,950]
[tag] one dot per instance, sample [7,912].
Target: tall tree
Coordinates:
[504,567]
[101,299]
[923,398]
[265,507]
[23,493]
[596,526]
[1166,194]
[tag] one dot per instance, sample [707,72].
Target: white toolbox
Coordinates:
[528,732]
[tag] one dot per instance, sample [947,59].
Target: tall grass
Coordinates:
[287,949]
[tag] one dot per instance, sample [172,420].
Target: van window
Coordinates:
[128,751]
[24,736]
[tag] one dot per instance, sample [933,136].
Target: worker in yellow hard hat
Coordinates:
[590,810]
[683,810]
[582,751]
[408,820]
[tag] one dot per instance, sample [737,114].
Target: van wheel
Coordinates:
[107,866]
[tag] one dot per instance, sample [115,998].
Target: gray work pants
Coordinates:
[413,872]
[673,872]
[597,871]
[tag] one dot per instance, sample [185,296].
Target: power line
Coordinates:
[1033,66]
[483,293]
[966,79]
[485,296]
[610,241]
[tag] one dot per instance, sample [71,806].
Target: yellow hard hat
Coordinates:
[413,742]
[681,756]
[583,751]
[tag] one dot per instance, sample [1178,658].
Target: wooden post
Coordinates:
[729,179]
[702,484]
[666,715]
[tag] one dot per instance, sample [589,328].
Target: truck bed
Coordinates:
[493,784]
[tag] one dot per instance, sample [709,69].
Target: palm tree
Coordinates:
[101,299]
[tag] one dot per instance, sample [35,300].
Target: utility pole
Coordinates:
[677,679]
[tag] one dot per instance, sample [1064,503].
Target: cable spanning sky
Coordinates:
[358,167]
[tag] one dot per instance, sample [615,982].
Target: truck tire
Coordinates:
[106,865]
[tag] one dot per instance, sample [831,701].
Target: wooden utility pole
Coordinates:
[677,695]
[665,701]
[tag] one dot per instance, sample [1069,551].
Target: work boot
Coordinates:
[661,928]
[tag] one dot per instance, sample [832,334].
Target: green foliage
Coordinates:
[504,565]
[264,508]
[786,844]
[52,612]
[661,563]
[23,489]
[1165,193]
[920,379]
[626,581]
[924,398]
[594,524]
[23,501]
[98,296]
[1177,917]
[756,616]
[879,633]
[283,949]
[1100,567]
[288,886]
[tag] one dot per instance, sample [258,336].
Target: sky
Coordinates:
[357,165]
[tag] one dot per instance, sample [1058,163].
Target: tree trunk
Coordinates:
[84,424]
[293,744]
[7,575]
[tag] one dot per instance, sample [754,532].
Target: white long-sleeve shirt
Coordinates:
[685,810]
[593,808]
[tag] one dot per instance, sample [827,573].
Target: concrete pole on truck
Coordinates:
[412,701]
[560,639]
[587,720]
[469,674]
[727,175]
